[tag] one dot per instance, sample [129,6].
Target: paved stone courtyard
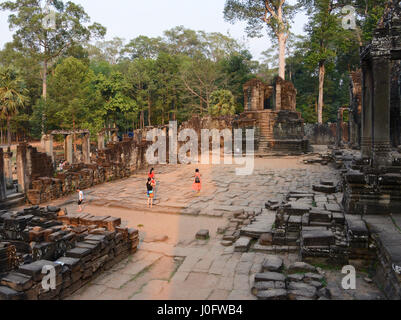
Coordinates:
[170,263]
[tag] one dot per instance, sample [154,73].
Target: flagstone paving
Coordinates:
[170,262]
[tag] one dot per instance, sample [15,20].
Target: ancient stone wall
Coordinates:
[119,160]
[325,134]
[79,247]
[288,95]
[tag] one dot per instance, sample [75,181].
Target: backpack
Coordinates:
[197,180]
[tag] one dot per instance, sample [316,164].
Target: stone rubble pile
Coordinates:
[79,247]
[313,224]
[299,281]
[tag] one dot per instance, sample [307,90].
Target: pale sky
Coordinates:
[130,18]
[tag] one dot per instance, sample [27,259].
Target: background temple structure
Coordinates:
[373,182]
[280,128]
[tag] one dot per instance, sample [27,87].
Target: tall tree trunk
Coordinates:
[282,42]
[8,132]
[322,73]
[44,93]
[149,109]
[74,136]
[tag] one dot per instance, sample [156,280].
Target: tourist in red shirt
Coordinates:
[197,185]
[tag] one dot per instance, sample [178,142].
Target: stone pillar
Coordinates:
[86,148]
[100,141]
[22,168]
[381,111]
[2,178]
[339,127]
[68,155]
[366,116]
[47,141]
[278,96]
[115,137]
[8,169]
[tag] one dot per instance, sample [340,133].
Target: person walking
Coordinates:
[150,192]
[80,199]
[197,185]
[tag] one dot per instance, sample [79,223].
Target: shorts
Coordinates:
[80,202]
[151,195]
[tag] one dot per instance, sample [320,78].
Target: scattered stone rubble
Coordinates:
[298,281]
[79,247]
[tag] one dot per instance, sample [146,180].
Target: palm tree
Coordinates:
[12,97]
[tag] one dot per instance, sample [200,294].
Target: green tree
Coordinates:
[46,43]
[222,103]
[12,97]
[275,14]
[324,29]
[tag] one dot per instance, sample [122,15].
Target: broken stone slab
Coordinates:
[298,209]
[300,267]
[309,277]
[339,218]
[269,276]
[35,269]
[357,227]
[242,244]
[333,207]
[296,277]
[263,249]
[226,243]
[10,294]
[324,189]
[256,229]
[327,182]
[272,263]
[297,294]
[202,235]
[318,238]
[274,294]
[304,287]
[318,215]
[262,286]
[17,281]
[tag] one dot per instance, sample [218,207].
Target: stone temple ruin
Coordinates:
[272,111]
[351,222]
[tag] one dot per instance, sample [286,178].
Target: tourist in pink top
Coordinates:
[197,186]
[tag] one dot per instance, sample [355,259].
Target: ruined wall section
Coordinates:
[119,160]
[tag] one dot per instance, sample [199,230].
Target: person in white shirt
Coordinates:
[80,199]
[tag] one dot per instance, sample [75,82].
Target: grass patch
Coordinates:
[140,225]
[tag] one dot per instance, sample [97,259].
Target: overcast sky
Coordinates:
[130,18]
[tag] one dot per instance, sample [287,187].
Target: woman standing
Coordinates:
[197,186]
[152,176]
[150,194]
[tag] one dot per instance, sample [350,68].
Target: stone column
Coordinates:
[339,127]
[2,178]
[22,168]
[366,116]
[8,169]
[278,96]
[68,155]
[115,137]
[47,141]
[100,141]
[86,148]
[381,111]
